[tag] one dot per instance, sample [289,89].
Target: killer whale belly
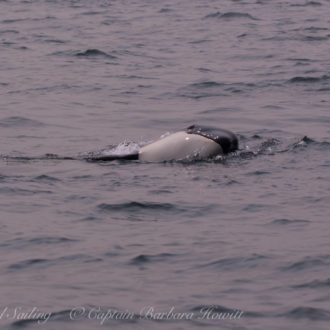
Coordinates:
[179,146]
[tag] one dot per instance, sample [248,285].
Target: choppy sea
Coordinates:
[237,242]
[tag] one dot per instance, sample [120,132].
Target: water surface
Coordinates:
[246,232]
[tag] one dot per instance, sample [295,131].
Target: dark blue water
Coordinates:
[237,242]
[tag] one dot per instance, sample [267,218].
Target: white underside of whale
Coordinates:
[180,146]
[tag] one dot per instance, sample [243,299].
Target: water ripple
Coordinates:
[236,263]
[310,313]
[308,263]
[44,263]
[42,240]
[146,258]
[309,80]
[16,121]
[230,16]
[137,207]
[314,284]
[95,53]
[289,222]
[307,4]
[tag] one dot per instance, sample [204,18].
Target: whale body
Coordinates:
[195,142]
[179,146]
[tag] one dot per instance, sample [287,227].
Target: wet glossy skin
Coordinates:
[179,146]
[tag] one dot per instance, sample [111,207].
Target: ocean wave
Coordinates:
[308,263]
[95,53]
[308,80]
[314,284]
[146,258]
[27,263]
[230,15]
[9,31]
[316,29]
[17,121]
[47,262]
[135,206]
[307,4]
[88,13]
[315,38]
[45,178]
[43,89]
[14,20]
[10,191]
[165,10]
[206,84]
[289,222]
[207,89]
[310,313]
[308,142]
[236,263]
[46,240]
[55,41]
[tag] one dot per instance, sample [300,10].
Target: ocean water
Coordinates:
[236,242]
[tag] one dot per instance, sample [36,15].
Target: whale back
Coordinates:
[226,139]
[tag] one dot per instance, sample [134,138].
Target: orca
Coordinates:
[195,142]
